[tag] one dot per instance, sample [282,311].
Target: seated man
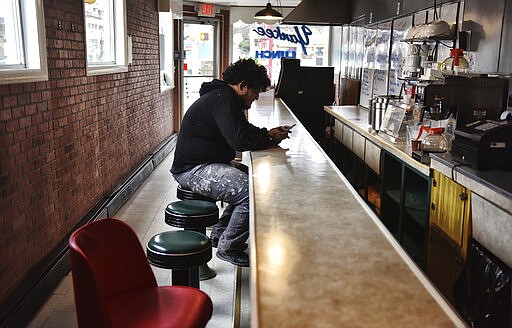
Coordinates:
[213,129]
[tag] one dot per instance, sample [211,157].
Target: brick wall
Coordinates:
[66,142]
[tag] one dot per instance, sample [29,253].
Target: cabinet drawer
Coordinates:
[358,142]
[347,136]
[338,130]
[372,156]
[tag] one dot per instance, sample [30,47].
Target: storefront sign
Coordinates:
[275,54]
[301,35]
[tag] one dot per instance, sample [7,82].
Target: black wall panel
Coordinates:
[410,6]
[505,65]
[378,10]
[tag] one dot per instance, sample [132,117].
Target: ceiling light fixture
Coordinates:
[268,13]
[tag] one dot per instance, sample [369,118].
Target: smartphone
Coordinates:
[286,128]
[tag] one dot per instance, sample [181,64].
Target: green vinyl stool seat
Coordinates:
[196,215]
[192,214]
[182,251]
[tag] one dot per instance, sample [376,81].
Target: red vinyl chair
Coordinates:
[114,285]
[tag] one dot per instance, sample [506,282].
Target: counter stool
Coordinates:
[194,215]
[182,251]
[185,194]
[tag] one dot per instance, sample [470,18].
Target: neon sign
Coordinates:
[301,35]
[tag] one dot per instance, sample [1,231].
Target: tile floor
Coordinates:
[144,212]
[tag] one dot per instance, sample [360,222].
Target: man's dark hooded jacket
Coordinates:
[214,127]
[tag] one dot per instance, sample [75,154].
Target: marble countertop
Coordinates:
[319,256]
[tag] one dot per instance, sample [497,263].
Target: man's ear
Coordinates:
[239,88]
[242,88]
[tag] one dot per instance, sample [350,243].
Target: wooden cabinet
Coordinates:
[449,232]
[450,208]
[405,206]
[358,145]
[347,136]
[359,161]
[372,156]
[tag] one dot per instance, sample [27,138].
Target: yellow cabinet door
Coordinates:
[450,209]
[449,232]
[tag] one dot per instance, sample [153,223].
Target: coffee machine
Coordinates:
[468,98]
[432,100]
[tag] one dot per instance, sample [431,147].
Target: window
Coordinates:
[268,43]
[106,44]
[166,51]
[22,42]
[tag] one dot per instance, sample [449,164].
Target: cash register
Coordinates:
[484,144]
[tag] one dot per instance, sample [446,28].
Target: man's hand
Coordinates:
[279,133]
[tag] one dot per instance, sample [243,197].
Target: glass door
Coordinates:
[200,43]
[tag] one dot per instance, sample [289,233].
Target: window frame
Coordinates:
[166,50]
[35,67]
[120,43]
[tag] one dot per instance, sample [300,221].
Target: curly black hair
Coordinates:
[250,73]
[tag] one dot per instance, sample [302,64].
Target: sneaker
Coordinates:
[239,258]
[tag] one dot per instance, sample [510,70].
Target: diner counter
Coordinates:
[319,256]
[494,185]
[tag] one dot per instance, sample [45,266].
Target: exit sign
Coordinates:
[207,10]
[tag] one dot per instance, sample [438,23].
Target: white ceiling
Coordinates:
[252,3]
